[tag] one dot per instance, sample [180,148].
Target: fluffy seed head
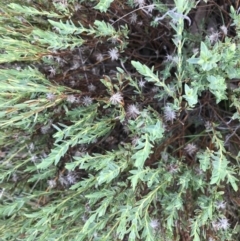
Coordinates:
[133,18]
[155,89]
[71,98]
[154,223]
[139,3]
[221,205]
[99,57]
[135,140]
[224,29]
[50,96]
[87,100]
[169,58]
[45,129]
[190,148]
[173,168]
[15,178]
[223,223]
[113,53]
[91,88]
[71,178]
[213,37]
[51,183]
[169,113]
[208,125]
[141,83]
[215,225]
[150,8]
[77,7]
[52,71]
[133,111]
[116,98]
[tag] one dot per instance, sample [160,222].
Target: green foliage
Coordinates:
[29,11]
[151,77]
[112,128]
[103,5]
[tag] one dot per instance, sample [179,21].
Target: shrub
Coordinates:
[119,120]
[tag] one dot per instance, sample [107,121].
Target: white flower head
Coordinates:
[99,57]
[15,178]
[87,100]
[173,168]
[208,125]
[75,65]
[195,50]
[116,98]
[95,71]
[169,58]
[223,223]
[224,29]
[72,83]
[52,71]
[84,217]
[126,129]
[34,158]
[175,59]
[45,129]
[150,8]
[220,205]
[92,88]
[113,53]
[114,39]
[139,3]
[172,58]
[190,148]
[215,225]
[214,37]
[155,89]
[51,96]
[133,111]
[63,180]
[199,171]
[58,59]
[164,156]
[135,140]
[51,183]
[133,18]
[169,113]
[141,83]
[71,98]
[77,7]
[31,147]
[71,178]
[81,151]
[154,223]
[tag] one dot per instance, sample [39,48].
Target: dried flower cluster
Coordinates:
[119,120]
